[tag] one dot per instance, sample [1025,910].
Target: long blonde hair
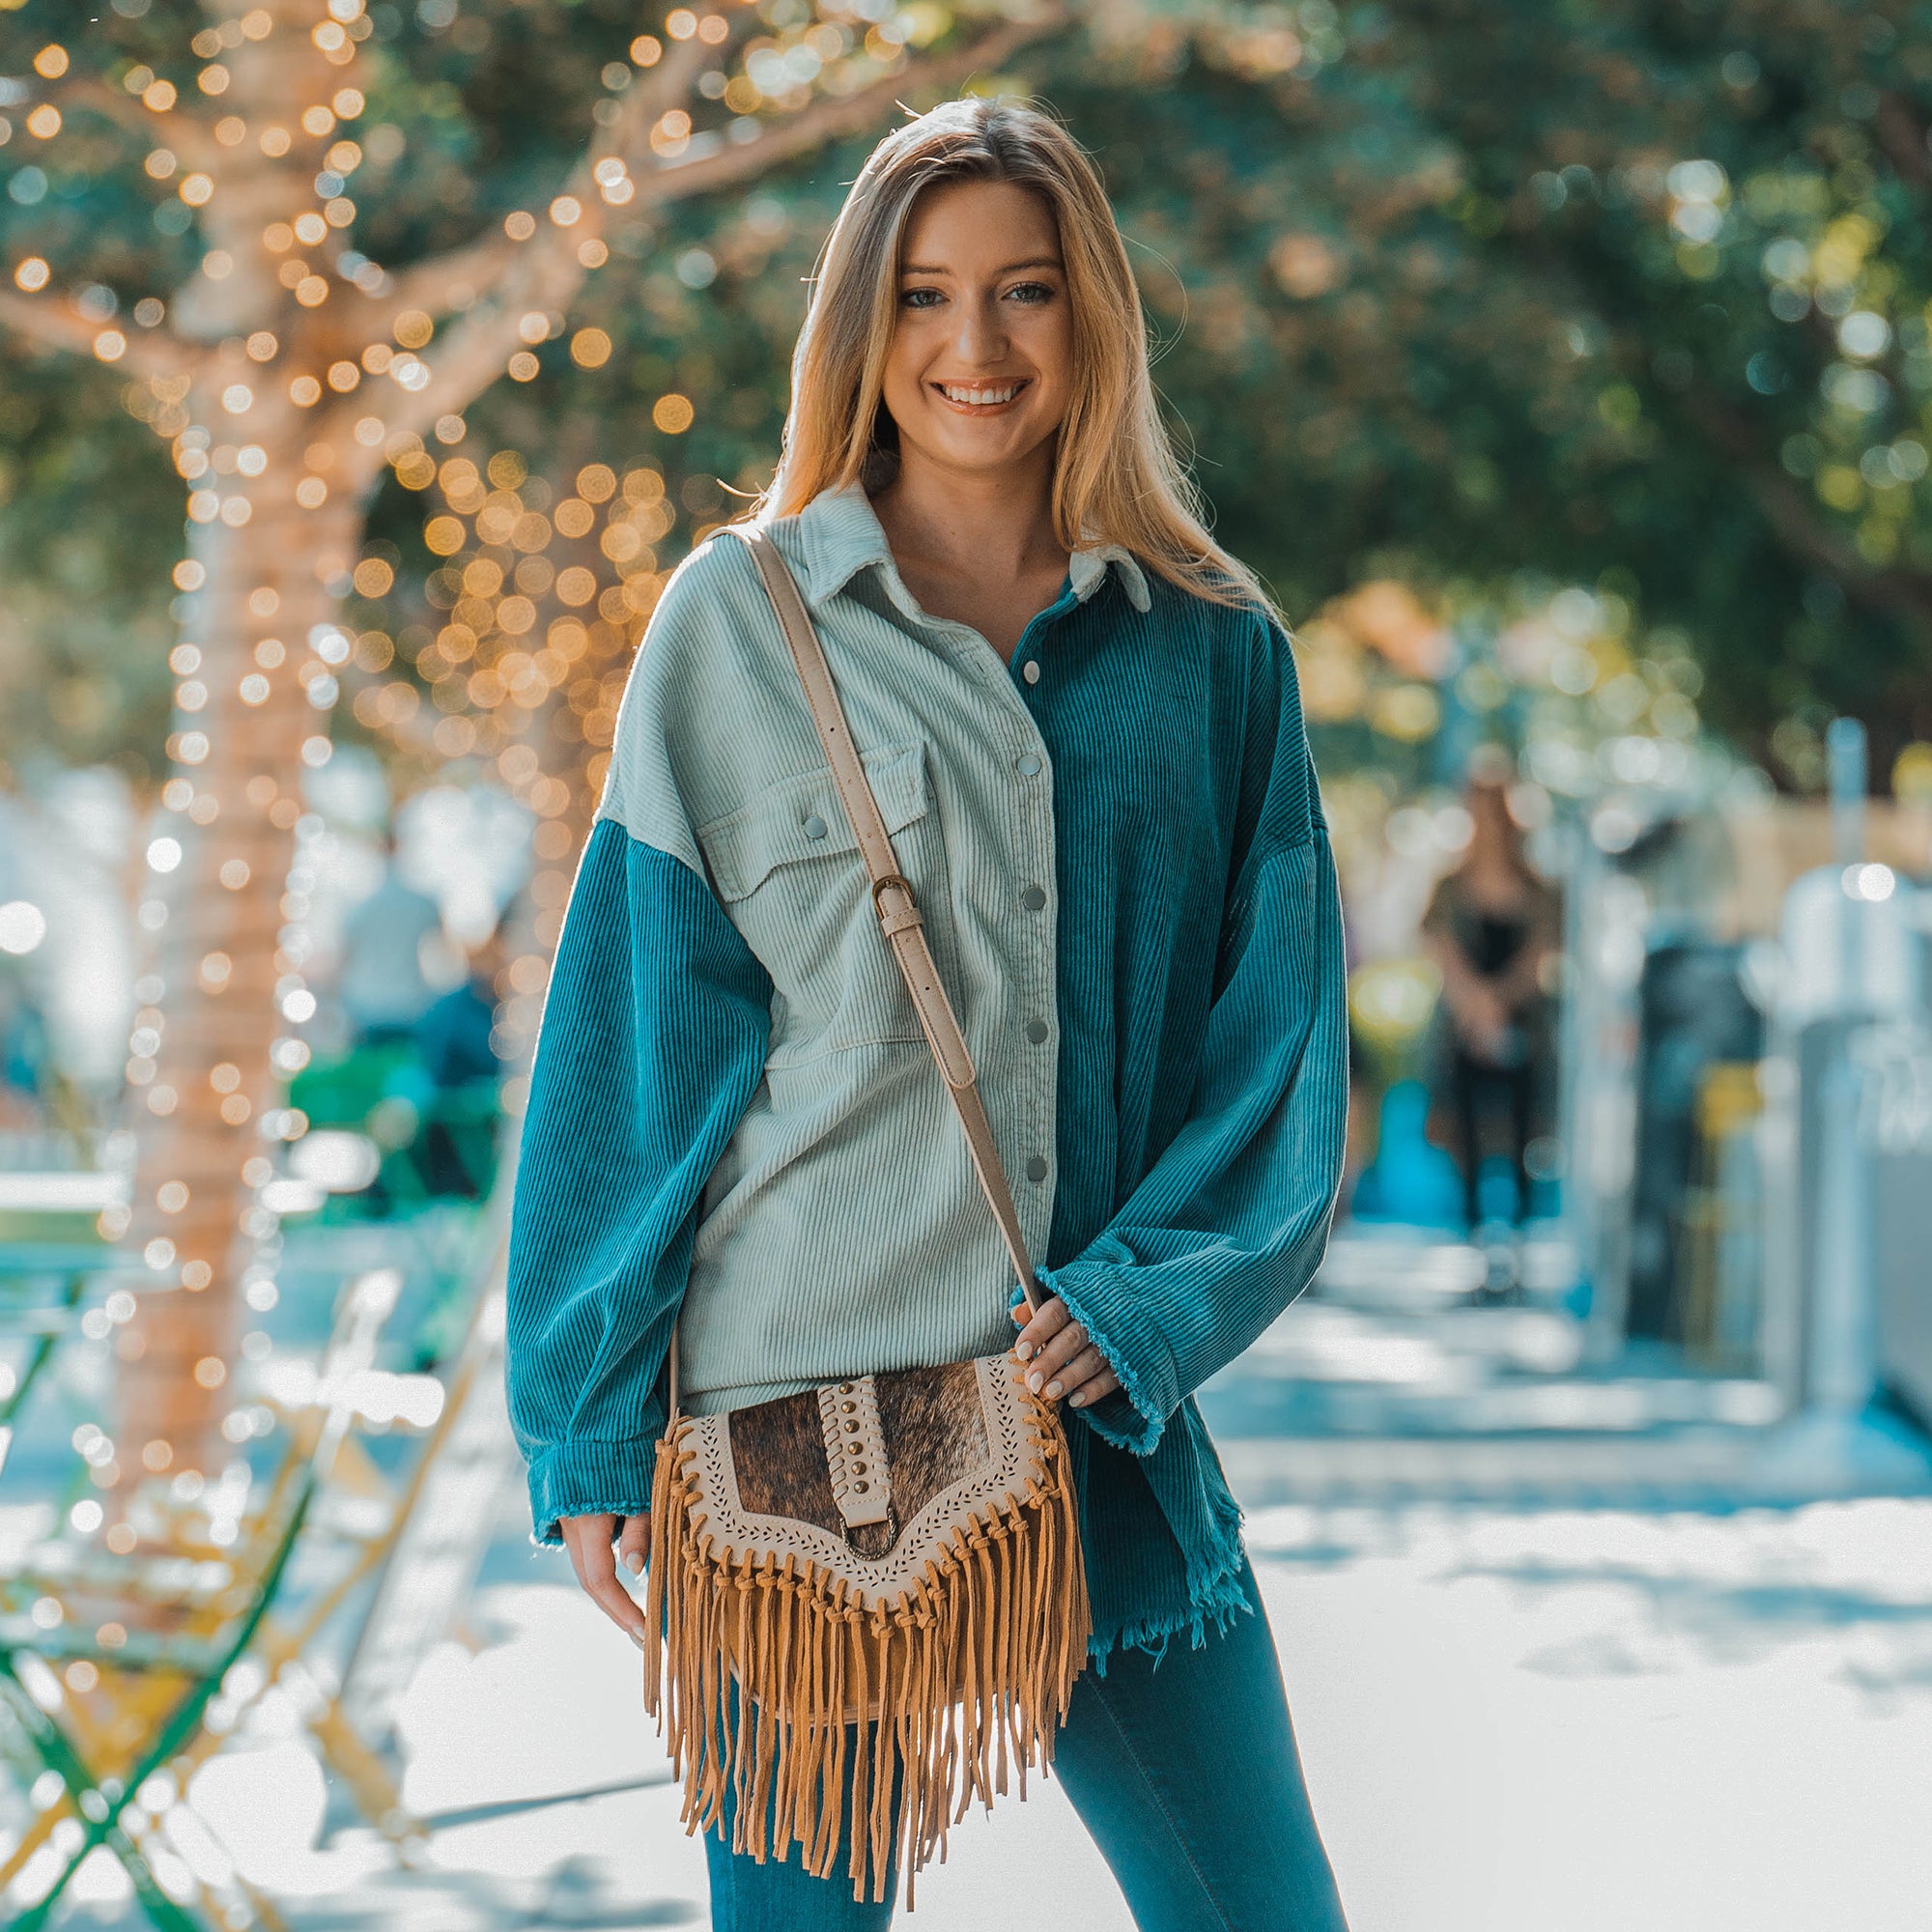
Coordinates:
[1117,473]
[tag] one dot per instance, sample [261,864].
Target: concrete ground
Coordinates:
[1511,1721]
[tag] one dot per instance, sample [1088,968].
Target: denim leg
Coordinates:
[1187,1777]
[781,1896]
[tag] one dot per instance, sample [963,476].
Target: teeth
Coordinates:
[1004,396]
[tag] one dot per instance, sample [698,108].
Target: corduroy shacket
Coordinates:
[1119,847]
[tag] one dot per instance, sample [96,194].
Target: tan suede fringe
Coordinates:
[979,1654]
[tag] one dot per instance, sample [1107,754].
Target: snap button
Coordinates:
[814,827]
[1036,1031]
[1034,897]
[1035,1169]
[1029,763]
[1030,670]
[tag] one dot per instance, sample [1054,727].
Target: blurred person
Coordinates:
[26,1051]
[455,1042]
[381,984]
[454,1035]
[1490,924]
[734,1118]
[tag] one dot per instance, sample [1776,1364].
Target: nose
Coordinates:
[981,336]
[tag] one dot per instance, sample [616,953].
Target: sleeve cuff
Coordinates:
[1134,1416]
[591,1479]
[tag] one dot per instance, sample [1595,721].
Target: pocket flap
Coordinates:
[777,826]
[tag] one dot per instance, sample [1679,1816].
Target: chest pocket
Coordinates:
[788,869]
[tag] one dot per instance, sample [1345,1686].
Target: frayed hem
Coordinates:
[1145,1440]
[1223,1600]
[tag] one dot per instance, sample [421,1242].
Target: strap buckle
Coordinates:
[904,884]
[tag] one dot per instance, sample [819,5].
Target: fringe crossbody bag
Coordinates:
[899,1552]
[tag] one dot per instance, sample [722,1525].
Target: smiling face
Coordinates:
[980,367]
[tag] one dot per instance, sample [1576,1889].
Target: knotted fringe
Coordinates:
[979,1655]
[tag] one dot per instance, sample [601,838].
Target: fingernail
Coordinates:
[1024,1350]
[638,1639]
[1075,1400]
[1053,1388]
[1034,1381]
[635,1563]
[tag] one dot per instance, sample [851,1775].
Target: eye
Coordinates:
[1035,292]
[906,299]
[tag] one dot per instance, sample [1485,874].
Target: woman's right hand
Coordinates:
[589,1539]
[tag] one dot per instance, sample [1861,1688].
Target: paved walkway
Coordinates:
[1540,1722]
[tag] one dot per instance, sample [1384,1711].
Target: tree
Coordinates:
[312,343]
[1630,297]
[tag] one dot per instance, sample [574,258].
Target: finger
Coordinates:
[1080,1366]
[587,1538]
[1049,1319]
[582,1532]
[635,1544]
[1045,1323]
[1056,1353]
[569,1530]
[610,1595]
[1104,1383]
[1082,1372]
[620,1606]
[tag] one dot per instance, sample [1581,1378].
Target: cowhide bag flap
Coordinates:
[884,1569]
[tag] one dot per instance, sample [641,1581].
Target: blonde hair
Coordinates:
[1117,473]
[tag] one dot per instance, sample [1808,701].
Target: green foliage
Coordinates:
[1624,296]
[1609,290]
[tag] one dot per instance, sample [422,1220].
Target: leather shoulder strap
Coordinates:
[899,917]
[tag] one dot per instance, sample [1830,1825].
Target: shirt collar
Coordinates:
[839,534]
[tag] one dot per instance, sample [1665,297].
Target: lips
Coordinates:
[983,408]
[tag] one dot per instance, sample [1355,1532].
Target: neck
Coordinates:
[979,525]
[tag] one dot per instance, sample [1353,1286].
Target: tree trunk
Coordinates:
[231,950]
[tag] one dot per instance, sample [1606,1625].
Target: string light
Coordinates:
[541,595]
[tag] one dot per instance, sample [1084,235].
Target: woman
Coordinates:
[1491,928]
[1081,719]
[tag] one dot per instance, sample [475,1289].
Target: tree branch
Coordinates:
[1898,590]
[55,324]
[487,265]
[1901,134]
[181,132]
[1901,591]
[828,119]
[511,279]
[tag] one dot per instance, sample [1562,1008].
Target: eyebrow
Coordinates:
[1012,268]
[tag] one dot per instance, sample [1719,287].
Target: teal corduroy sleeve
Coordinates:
[1231,1220]
[652,1043]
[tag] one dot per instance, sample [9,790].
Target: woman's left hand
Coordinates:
[1061,1361]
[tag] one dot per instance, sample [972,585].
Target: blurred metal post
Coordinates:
[1843,1373]
[1607,966]
[1839,1442]
[1577,1205]
[1845,769]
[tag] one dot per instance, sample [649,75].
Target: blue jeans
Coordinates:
[1185,1773]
